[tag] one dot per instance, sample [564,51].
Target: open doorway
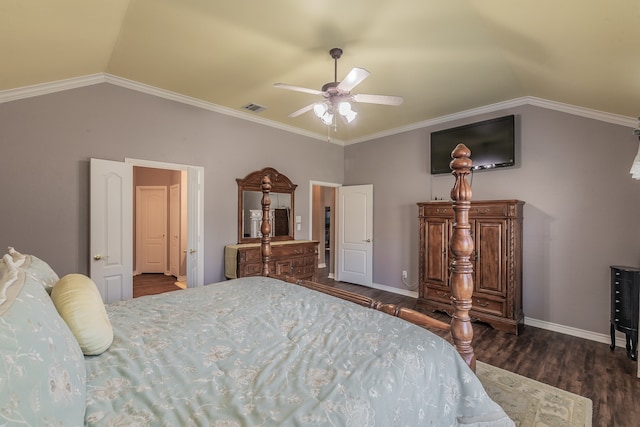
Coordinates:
[160,238]
[323,224]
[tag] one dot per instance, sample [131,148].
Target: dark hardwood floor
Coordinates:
[581,366]
[153,283]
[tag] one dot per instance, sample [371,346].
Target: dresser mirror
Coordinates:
[250,206]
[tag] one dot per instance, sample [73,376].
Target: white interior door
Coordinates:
[111,229]
[355,234]
[151,229]
[195,227]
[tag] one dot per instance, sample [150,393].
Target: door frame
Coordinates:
[310,221]
[195,217]
[336,226]
[175,230]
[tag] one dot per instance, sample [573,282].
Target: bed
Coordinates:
[256,351]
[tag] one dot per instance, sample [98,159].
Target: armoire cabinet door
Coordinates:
[490,257]
[436,258]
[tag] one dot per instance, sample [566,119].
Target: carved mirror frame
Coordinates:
[280,183]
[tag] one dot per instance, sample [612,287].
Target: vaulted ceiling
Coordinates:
[441,56]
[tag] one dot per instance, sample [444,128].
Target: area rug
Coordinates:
[532,403]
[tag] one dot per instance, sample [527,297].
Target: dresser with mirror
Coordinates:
[289,257]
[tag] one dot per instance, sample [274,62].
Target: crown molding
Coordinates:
[517,102]
[78,82]
[52,87]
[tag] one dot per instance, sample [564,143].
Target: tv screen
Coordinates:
[492,144]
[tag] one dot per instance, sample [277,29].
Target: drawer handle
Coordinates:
[441,294]
[486,304]
[617,301]
[483,211]
[616,320]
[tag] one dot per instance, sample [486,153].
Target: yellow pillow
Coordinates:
[79,303]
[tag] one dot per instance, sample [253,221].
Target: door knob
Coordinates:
[192,251]
[98,257]
[367,241]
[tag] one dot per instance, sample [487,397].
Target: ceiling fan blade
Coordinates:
[302,110]
[353,79]
[298,88]
[377,99]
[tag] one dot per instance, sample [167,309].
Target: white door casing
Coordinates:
[174,230]
[151,229]
[111,229]
[355,234]
[311,219]
[195,216]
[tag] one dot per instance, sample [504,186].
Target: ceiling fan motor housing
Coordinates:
[335,53]
[331,88]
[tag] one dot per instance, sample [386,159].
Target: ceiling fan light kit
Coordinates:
[338,94]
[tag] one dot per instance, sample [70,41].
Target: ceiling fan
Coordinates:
[337,95]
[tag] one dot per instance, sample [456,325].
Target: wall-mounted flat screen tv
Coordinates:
[492,144]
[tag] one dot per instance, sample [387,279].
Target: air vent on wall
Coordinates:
[254,108]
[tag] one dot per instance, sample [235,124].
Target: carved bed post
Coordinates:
[265,227]
[461,245]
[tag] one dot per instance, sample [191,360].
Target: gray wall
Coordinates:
[46,143]
[581,204]
[581,212]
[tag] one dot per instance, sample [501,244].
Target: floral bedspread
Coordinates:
[260,352]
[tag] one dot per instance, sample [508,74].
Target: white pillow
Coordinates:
[79,303]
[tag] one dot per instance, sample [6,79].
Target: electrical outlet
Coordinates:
[404,274]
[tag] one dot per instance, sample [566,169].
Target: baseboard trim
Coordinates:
[575,332]
[542,324]
[405,292]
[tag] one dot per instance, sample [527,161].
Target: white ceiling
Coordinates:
[441,56]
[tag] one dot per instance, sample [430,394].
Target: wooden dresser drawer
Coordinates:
[283,267]
[476,210]
[250,269]
[249,255]
[290,258]
[437,209]
[489,306]
[438,294]
[500,210]
[292,250]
